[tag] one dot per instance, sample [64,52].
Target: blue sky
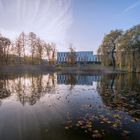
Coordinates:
[80,22]
[94,18]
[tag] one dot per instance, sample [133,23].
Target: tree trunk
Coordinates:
[113,58]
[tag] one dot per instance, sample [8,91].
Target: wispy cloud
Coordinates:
[132,6]
[50,19]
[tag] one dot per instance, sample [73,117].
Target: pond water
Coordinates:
[69,107]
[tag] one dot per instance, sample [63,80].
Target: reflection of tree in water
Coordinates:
[35,87]
[30,88]
[71,80]
[4,92]
[121,92]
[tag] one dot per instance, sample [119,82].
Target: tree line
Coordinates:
[26,49]
[121,49]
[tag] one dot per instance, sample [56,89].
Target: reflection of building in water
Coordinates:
[77,79]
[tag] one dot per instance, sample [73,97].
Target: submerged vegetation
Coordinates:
[122,49]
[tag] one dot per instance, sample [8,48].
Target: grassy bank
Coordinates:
[90,68]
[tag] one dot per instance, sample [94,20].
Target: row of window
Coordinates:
[59,54]
[78,59]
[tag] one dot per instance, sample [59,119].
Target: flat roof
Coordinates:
[75,51]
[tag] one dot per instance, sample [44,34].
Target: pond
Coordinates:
[69,106]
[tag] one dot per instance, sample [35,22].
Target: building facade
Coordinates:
[81,57]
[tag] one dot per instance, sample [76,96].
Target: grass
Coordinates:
[90,68]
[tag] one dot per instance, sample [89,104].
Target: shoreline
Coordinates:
[13,69]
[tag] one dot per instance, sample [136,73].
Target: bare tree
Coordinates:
[20,47]
[4,49]
[53,57]
[32,44]
[72,55]
[27,48]
[50,52]
[39,50]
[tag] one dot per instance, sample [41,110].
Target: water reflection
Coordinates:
[30,88]
[117,91]
[121,92]
[73,106]
[73,79]
[4,91]
[27,88]
[77,79]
